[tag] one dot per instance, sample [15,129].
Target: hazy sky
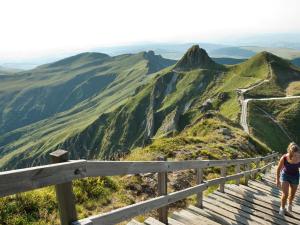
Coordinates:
[34,28]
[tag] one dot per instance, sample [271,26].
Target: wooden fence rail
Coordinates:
[62,173]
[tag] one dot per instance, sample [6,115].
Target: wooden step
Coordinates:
[233,213]
[196,219]
[274,191]
[171,221]
[262,212]
[257,203]
[270,200]
[134,222]
[212,215]
[152,221]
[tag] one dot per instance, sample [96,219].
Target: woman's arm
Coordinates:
[279,167]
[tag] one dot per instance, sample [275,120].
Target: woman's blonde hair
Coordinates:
[292,148]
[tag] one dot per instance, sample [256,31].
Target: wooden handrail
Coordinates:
[20,180]
[122,214]
[15,181]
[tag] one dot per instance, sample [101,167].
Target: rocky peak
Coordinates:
[195,57]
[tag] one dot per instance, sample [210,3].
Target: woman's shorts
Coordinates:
[288,178]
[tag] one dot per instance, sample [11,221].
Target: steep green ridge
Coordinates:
[265,117]
[49,89]
[195,58]
[281,74]
[129,72]
[242,75]
[157,110]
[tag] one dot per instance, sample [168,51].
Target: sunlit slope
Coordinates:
[276,123]
[130,72]
[283,79]
[34,95]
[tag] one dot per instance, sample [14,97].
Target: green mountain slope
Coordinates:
[49,89]
[129,72]
[134,110]
[283,78]
[166,105]
[276,123]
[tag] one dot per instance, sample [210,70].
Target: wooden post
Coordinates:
[162,190]
[237,170]
[223,174]
[266,162]
[199,180]
[247,167]
[64,192]
[257,165]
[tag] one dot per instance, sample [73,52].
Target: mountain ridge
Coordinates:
[158,106]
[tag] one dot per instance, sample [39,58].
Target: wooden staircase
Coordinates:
[257,203]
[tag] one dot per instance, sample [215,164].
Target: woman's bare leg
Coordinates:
[285,192]
[293,189]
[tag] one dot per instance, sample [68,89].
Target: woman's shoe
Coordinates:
[289,208]
[281,211]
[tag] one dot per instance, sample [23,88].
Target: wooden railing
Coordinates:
[62,172]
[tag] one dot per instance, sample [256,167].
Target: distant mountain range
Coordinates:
[242,49]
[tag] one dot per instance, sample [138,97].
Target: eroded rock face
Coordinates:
[194,58]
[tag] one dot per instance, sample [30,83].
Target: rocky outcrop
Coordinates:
[194,58]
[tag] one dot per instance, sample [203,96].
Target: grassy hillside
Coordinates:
[282,74]
[53,88]
[234,77]
[128,71]
[207,138]
[265,118]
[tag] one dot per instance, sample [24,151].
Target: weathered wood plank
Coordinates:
[64,192]
[196,218]
[235,216]
[212,215]
[172,221]
[112,168]
[223,174]
[162,187]
[237,170]
[245,208]
[134,222]
[199,180]
[247,168]
[15,181]
[152,221]
[262,208]
[267,199]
